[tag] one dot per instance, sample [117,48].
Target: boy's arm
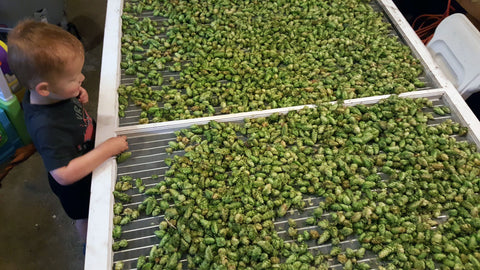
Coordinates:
[82,166]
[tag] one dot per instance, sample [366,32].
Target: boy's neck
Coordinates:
[37,99]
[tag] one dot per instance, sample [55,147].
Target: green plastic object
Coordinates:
[3,136]
[15,115]
[10,141]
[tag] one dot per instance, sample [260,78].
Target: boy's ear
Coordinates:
[42,88]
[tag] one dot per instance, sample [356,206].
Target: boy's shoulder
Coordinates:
[46,115]
[39,108]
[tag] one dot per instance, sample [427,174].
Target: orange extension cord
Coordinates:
[429,22]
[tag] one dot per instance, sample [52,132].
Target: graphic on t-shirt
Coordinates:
[86,124]
[88,135]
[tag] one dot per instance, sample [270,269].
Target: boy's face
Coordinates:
[69,83]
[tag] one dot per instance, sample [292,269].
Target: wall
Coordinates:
[473,10]
[13,11]
[88,16]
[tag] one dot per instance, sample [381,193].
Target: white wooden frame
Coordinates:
[99,253]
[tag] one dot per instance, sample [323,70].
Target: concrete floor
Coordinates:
[35,232]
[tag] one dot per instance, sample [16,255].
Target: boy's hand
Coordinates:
[83,96]
[116,145]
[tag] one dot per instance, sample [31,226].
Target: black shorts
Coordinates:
[75,198]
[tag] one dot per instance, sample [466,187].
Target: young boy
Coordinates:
[48,61]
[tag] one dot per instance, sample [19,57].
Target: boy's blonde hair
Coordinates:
[39,51]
